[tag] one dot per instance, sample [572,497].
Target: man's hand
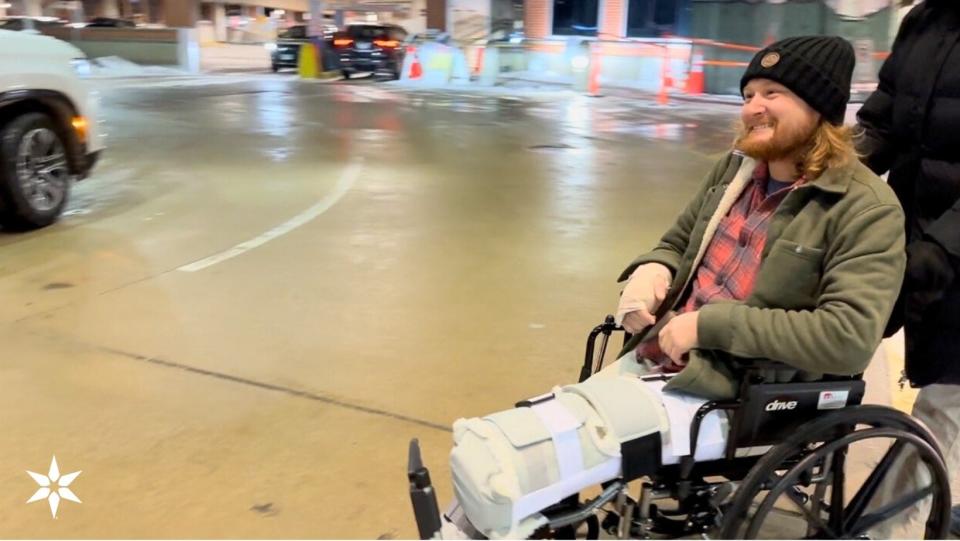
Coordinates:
[642,296]
[679,336]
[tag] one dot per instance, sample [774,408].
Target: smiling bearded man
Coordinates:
[791,250]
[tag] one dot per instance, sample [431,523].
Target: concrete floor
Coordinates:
[383,262]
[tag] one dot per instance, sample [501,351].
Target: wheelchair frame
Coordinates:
[812,454]
[702,503]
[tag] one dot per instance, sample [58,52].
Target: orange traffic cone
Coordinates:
[663,97]
[478,68]
[593,78]
[695,80]
[416,70]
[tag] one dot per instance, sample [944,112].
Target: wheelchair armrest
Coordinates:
[756,365]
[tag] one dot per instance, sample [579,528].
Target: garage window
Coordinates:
[652,18]
[575,17]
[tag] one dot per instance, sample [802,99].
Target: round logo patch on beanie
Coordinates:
[770,60]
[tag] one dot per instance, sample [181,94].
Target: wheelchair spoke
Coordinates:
[818,503]
[833,453]
[812,516]
[839,460]
[890,510]
[779,485]
[866,493]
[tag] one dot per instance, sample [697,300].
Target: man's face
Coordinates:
[776,123]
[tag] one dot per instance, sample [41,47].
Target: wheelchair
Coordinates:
[800,487]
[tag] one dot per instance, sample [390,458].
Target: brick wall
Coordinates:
[614,13]
[536,18]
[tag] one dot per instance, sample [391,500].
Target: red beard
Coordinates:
[787,140]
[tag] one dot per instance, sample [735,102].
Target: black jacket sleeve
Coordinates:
[878,144]
[945,230]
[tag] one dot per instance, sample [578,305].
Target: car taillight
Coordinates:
[342,42]
[386,43]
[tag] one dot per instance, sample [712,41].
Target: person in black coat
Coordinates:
[911,129]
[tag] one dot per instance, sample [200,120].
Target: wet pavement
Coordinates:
[269,286]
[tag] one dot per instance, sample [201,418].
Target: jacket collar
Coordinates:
[834,180]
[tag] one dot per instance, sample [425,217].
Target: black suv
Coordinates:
[377,48]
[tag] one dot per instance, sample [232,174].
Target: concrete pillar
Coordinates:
[437,14]
[188,50]
[536,18]
[181,13]
[79,14]
[108,8]
[156,11]
[416,21]
[32,8]
[315,28]
[220,22]
[613,19]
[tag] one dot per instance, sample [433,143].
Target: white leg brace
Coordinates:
[510,465]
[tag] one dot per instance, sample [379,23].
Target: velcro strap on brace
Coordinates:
[563,430]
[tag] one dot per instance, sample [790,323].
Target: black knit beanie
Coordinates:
[816,68]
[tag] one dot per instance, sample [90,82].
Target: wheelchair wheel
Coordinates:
[804,488]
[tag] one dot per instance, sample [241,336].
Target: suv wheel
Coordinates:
[34,174]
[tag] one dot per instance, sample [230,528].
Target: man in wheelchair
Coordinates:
[754,315]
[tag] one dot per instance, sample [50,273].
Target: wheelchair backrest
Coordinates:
[770,411]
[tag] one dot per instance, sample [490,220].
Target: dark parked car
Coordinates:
[285,53]
[30,23]
[377,48]
[108,22]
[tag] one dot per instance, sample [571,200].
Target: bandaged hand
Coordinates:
[642,296]
[679,336]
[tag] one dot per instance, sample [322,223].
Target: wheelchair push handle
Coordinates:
[592,365]
[422,496]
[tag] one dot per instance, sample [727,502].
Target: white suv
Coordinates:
[48,127]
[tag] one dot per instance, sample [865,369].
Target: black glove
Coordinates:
[929,269]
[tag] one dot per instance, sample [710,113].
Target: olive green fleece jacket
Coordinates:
[829,275]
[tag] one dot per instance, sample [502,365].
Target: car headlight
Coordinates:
[270,46]
[82,67]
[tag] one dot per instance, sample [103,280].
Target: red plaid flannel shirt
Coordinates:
[729,266]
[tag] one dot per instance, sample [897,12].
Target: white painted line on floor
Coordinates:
[346,180]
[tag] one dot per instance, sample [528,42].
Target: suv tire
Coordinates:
[34,173]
